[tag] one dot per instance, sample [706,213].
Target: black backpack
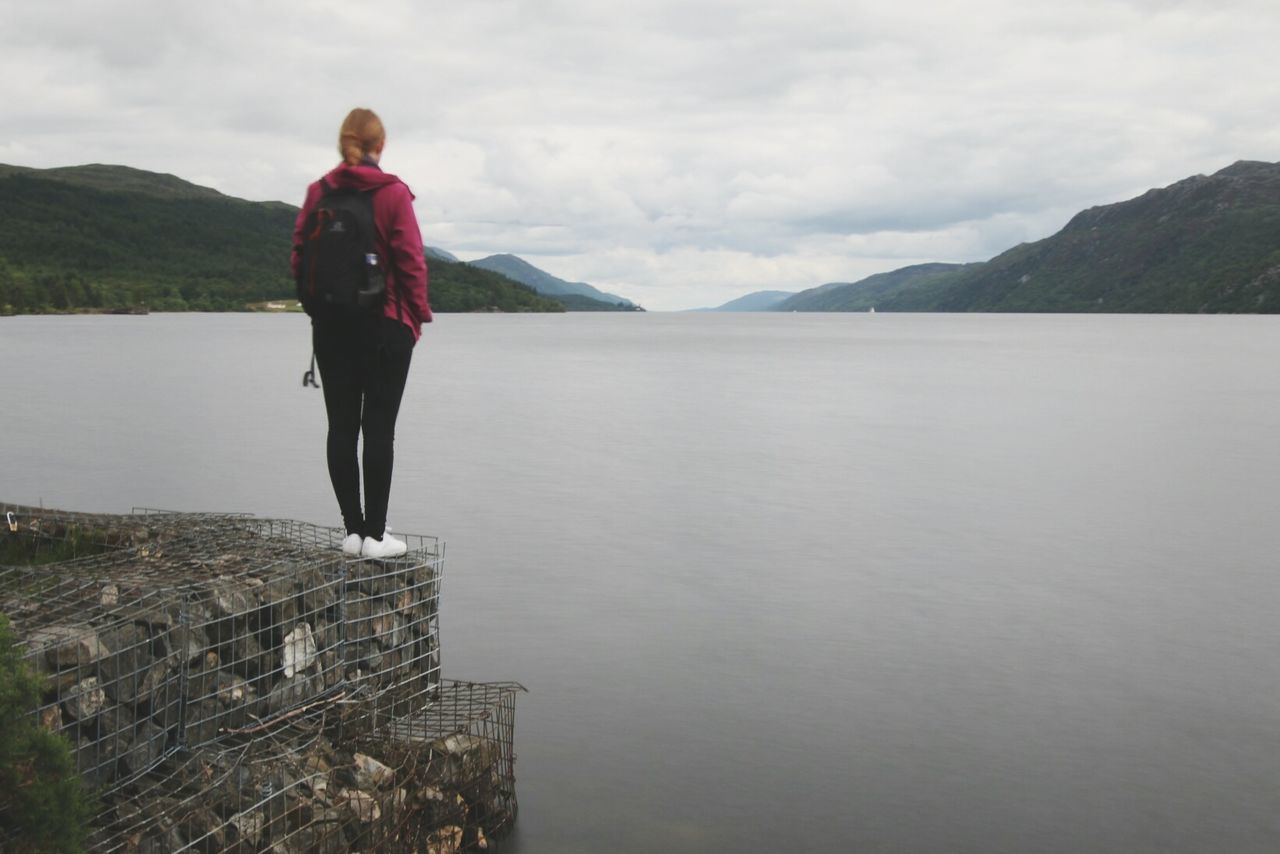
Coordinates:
[340,274]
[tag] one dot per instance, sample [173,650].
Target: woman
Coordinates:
[364,361]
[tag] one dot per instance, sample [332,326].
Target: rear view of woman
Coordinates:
[363,351]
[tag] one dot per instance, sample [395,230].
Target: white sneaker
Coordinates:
[352,545]
[386,547]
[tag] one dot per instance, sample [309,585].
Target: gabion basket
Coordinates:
[235,683]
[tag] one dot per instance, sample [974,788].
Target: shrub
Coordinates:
[43,803]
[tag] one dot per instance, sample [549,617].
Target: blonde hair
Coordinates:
[361,133]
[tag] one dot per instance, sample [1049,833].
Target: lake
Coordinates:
[778,582]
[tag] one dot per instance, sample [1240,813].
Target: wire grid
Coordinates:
[195,628]
[58,534]
[464,744]
[240,795]
[199,767]
[441,782]
[319,536]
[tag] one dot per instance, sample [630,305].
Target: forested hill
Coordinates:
[102,237]
[1205,244]
[871,291]
[577,296]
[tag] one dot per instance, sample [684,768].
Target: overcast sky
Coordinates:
[680,154]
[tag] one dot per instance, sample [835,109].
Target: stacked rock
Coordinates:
[236,684]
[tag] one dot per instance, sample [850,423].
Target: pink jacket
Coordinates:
[399,241]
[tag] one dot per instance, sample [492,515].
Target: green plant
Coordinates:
[44,806]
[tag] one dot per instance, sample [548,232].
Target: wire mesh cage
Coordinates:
[182,651]
[459,754]
[55,536]
[441,783]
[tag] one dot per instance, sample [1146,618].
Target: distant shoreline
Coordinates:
[268,307]
[142,310]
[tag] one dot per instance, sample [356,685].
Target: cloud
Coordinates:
[675,153]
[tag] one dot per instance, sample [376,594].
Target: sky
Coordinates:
[679,154]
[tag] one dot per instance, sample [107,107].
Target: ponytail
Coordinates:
[361,133]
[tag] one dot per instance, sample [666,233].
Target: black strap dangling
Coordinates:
[309,378]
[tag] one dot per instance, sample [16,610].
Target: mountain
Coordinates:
[459,287]
[110,236]
[438,254]
[757,301]
[1208,243]
[1205,244]
[872,291]
[549,285]
[105,237]
[118,178]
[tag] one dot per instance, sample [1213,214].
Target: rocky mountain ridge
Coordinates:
[1205,244]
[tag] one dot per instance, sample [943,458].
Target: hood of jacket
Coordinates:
[362,176]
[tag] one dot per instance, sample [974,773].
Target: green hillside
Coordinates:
[754,301]
[1205,244]
[1202,245]
[66,245]
[576,296]
[577,302]
[109,237]
[874,290]
[457,286]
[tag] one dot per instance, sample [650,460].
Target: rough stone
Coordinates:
[466,758]
[289,693]
[109,596]
[280,595]
[329,669]
[359,618]
[67,646]
[248,657]
[203,830]
[146,749]
[230,597]
[124,670]
[319,592]
[372,774]
[187,642]
[248,825]
[298,653]
[387,628]
[96,760]
[362,805]
[446,840]
[85,699]
[51,718]
[159,690]
[205,719]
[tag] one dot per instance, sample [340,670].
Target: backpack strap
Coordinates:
[309,378]
[392,292]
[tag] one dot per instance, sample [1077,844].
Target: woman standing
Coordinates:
[364,357]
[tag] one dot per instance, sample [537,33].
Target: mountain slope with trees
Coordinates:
[872,291]
[577,296]
[111,237]
[755,301]
[1205,244]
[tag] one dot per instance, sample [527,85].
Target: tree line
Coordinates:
[66,247]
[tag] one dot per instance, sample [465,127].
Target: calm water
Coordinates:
[779,583]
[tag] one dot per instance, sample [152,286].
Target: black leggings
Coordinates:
[363,368]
